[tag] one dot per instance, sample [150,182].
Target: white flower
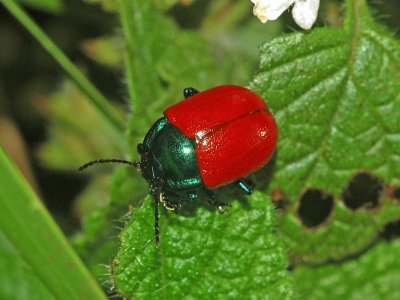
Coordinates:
[304,11]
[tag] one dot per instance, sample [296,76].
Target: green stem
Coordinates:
[138,17]
[133,93]
[94,95]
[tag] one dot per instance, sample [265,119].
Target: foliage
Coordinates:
[374,275]
[334,179]
[203,254]
[334,93]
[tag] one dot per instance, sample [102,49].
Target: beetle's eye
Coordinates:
[140,148]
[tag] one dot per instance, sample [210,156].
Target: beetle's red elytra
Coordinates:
[234,133]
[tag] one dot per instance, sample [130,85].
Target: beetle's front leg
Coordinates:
[154,190]
[167,199]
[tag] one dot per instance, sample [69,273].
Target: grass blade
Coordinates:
[30,229]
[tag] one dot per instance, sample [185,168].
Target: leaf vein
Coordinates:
[316,85]
[296,59]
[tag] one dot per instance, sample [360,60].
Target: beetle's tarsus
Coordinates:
[189,91]
[244,187]
[221,207]
[165,199]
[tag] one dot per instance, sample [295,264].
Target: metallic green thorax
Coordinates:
[168,158]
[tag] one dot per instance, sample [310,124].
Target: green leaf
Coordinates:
[77,133]
[42,249]
[203,254]
[335,95]
[107,5]
[54,6]
[105,50]
[373,275]
[17,280]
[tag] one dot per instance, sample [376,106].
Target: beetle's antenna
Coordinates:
[155,193]
[108,161]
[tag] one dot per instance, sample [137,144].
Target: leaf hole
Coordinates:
[315,207]
[363,191]
[396,194]
[391,231]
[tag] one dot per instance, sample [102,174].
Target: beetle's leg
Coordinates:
[156,196]
[213,201]
[193,195]
[189,91]
[245,188]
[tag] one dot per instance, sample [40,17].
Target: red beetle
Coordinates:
[234,134]
[207,140]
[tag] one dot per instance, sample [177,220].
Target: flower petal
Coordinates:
[305,12]
[267,10]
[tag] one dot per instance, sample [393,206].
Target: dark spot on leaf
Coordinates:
[290,268]
[315,207]
[391,231]
[164,83]
[280,200]
[364,190]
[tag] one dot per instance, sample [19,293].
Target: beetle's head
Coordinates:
[150,167]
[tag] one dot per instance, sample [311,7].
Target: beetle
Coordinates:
[207,140]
